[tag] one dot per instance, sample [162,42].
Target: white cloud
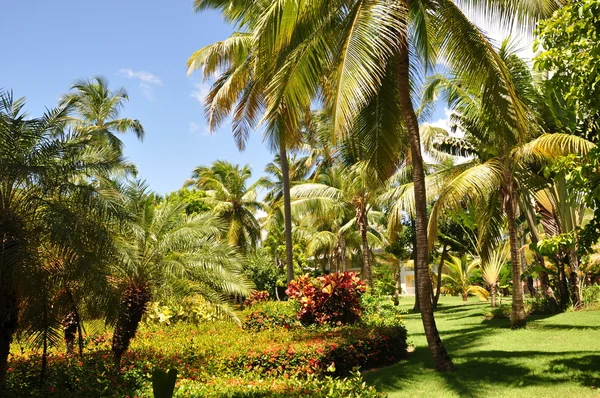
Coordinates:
[147,80]
[200,92]
[195,128]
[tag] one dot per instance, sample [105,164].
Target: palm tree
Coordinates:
[163,252]
[346,188]
[240,91]
[232,200]
[457,278]
[497,169]
[42,167]
[491,268]
[347,50]
[97,109]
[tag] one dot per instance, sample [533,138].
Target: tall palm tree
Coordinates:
[240,91]
[500,156]
[232,200]
[345,50]
[97,109]
[163,252]
[344,188]
[41,164]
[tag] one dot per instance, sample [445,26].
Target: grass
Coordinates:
[556,356]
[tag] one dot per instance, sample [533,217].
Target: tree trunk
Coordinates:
[545,288]
[465,296]
[132,309]
[361,219]
[343,254]
[70,328]
[493,294]
[287,211]
[518,318]
[574,279]
[562,283]
[440,355]
[417,306]
[438,288]
[9,302]
[397,280]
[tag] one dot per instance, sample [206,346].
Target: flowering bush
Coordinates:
[215,359]
[332,299]
[256,297]
[345,348]
[270,315]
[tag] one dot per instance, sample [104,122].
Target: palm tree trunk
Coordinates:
[574,278]
[493,294]
[70,331]
[518,318]
[9,302]
[440,355]
[545,288]
[438,288]
[343,254]
[397,277]
[132,309]
[287,211]
[562,283]
[416,307]
[361,219]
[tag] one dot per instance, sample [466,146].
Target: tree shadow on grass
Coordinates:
[585,369]
[565,327]
[477,372]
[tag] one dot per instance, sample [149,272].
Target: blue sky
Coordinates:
[54,43]
[141,45]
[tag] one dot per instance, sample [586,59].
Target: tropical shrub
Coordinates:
[256,297]
[193,310]
[590,295]
[263,271]
[328,387]
[332,299]
[381,311]
[209,353]
[344,348]
[272,314]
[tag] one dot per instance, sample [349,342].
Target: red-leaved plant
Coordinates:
[260,296]
[332,299]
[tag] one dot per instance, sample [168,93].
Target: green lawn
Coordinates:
[556,356]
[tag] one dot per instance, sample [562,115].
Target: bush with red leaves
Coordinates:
[332,299]
[256,297]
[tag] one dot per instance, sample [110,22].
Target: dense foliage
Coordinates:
[207,355]
[332,299]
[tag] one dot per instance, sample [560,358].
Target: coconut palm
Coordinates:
[344,189]
[97,109]
[346,50]
[457,277]
[239,90]
[232,200]
[164,252]
[498,165]
[43,167]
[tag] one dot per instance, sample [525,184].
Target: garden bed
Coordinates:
[216,357]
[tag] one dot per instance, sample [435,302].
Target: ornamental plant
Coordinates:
[332,299]
[256,297]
